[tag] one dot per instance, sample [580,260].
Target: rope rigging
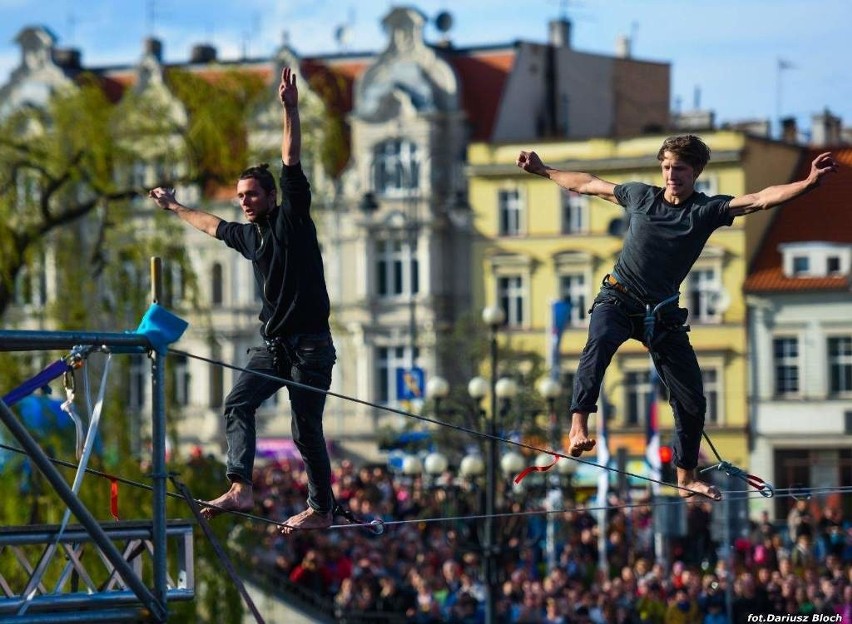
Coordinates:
[377,526]
[473,432]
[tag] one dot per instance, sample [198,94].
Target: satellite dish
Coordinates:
[444,21]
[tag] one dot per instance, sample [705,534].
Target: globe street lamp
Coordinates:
[437,389]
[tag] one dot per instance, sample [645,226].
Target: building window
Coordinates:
[566,380]
[139,177]
[840,365]
[174,285]
[710,377]
[31,286]
[509,207]
[801,265]
[139,374]
[388,360]
[703,293]
[572,287]
[27,191]
[217,385]
[575,213]
[786,361]
[707,185]
[511,297]
[832,265]
[397,269]
[216,286]
[637,388]
[396,167]
[180,375]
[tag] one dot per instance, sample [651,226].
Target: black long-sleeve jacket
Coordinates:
[287,262]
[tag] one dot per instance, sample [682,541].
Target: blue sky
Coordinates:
[724,54]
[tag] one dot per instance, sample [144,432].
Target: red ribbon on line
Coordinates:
[530,469]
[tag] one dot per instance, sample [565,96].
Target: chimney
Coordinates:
[202,53]
[789,131]
[67,58]
[154,47]
[825,129]
[622,46]
[560,33]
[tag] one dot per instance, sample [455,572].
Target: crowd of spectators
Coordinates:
[427,566]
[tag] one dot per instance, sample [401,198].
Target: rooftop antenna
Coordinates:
[72,23]
[150,16]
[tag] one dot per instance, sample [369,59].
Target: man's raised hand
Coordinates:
[288,93]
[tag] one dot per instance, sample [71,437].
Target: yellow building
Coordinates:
[536,243]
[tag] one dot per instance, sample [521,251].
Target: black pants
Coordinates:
[309,361]
[616,318]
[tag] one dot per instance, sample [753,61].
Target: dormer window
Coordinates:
[816,259]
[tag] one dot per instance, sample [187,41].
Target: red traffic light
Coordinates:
[665,454]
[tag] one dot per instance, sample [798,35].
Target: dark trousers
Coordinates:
[309,360]
[616,318]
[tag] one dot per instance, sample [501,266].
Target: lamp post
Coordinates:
[493,316]
[550,389]
[412,226]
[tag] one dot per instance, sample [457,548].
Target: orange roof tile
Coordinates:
[822,215]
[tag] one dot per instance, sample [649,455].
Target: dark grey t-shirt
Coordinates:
[663,240]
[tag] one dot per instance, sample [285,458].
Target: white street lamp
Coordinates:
[435,464]
[471,466]
[549,388]
[493,316]
[512,463]
[477,388]
[437,388]
[506,388]
[411,466]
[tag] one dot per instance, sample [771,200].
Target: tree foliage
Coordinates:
[72,199]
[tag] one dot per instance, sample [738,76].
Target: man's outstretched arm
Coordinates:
[773,196]
[291,138]
[577,181]
[200,220]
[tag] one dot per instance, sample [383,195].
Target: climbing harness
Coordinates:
[650,320]
[652,312]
